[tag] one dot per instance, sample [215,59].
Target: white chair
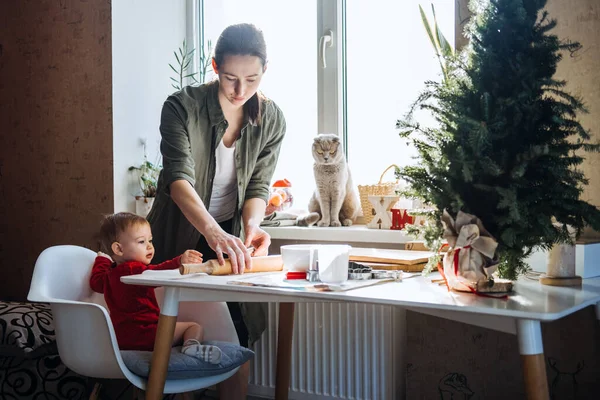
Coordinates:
[84,333]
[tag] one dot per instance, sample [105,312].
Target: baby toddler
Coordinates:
[126,242]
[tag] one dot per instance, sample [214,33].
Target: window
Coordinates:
[389,56]
[379,58]
[291,78]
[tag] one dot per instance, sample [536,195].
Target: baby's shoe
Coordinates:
[208,353]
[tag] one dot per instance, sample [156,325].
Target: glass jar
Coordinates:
[280,196]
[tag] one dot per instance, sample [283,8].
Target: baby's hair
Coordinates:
[114,224]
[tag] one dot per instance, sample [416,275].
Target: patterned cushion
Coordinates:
[30,367]
[182,366]
[26,329]
[44,377]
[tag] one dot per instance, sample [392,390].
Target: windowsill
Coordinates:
[355,233]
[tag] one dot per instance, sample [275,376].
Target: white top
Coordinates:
[531,299]
[224,192]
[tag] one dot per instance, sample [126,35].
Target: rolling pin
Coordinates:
[212,267]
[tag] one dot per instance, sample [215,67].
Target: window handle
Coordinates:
[325,41]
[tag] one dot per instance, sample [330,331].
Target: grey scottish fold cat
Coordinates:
[335,199]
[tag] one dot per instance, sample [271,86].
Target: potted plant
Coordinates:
[183,57]
[507,142]
[148,177]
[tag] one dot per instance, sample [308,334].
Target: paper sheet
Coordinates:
[278,280]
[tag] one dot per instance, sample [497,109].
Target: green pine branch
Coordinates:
[507,145]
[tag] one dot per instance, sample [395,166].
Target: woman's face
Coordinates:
[239,78]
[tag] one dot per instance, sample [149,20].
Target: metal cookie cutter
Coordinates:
[359,276]
[387,274]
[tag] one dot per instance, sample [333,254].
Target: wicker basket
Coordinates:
[380,189]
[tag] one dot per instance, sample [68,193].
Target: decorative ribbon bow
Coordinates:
[471,255]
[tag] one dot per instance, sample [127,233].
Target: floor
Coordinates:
[211,395]
[122,390]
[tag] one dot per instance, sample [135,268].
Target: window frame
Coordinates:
[331,81]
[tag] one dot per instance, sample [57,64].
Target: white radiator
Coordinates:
[346,351]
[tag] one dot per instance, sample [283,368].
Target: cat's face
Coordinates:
[327,149]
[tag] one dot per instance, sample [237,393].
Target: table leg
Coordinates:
[162,344]
[529,333]
[285,333]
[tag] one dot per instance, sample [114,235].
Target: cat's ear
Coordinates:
[333,137]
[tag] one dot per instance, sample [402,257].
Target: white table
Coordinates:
[521,314]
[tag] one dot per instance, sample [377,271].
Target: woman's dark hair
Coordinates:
[243,40]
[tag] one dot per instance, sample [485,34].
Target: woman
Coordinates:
[220,144]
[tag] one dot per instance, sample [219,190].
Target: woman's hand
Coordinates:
[252,214]
[258,239]
[190,204]
[191,257]
[222,242]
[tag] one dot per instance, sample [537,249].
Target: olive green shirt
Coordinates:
[192,125]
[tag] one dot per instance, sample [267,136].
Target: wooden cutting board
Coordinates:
[385,256]
[395,267]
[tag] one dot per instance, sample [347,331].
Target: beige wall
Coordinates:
[461,17]
[447,358]
[579,20]
[56,130]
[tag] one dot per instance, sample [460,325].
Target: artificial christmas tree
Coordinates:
[508,143]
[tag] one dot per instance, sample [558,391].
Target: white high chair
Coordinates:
[84,332]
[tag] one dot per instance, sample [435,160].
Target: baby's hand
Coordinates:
[101,254]
[191,257]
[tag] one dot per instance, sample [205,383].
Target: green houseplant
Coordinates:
[147,173]
[148,176]
[443,51]
[507,142]
[183,57]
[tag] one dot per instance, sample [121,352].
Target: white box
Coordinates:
[587,260]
